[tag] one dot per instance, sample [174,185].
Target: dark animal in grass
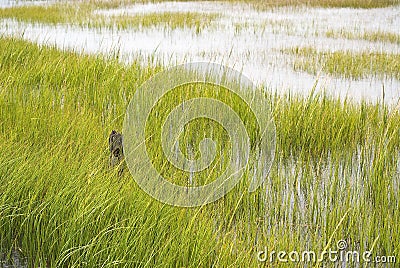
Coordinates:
[116,150]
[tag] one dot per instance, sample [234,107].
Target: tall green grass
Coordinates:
[335,175]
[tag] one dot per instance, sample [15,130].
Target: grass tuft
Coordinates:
[377,36]
[345,63]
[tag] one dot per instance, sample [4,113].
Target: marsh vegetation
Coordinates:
[335,175]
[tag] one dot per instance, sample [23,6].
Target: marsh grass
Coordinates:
[51,14]
[168,20]
[345,63]
[335,175]
[377,36]
[83,14]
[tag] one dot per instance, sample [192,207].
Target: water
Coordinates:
[16,260]
[14,3]
[243,38]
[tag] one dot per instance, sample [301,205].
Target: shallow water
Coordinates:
[13,3]
[242,38]
[16,260]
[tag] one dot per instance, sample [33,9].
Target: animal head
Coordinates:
[115,144]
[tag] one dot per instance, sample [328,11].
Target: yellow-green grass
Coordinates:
[334,176]
[345,63]
[83,14]
[169,20]
[377,36]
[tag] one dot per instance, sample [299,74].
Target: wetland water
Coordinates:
[241,37]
